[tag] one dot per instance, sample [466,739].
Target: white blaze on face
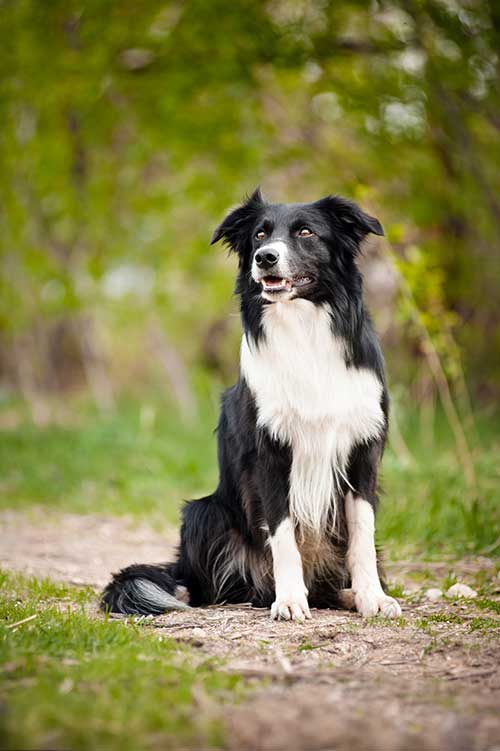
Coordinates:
[280,248]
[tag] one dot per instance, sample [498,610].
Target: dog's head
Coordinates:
[295,250]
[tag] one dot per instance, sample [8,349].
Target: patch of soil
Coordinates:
[78,549]
[340,682]
[428,682]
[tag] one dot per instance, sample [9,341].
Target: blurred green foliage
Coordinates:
[128,129]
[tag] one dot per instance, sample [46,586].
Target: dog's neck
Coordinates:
[346,313]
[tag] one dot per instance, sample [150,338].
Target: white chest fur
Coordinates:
[307,398]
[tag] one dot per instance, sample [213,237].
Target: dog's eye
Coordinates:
[260,235]
[305,232]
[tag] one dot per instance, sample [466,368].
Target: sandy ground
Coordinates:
[78,549]
[335,682]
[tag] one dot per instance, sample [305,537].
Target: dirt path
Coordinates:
[78,549]
[430,681]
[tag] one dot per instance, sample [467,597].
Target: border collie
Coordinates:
[300,436]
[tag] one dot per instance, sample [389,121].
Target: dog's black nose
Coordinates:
[266,259]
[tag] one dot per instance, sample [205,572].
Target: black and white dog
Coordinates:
[300,435]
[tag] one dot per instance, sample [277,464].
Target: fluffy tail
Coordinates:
[145,590]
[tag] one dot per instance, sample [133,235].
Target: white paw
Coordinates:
[370,601]
[290,608]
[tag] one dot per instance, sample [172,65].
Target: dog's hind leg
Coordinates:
[205,571]
[144,589]
[213,561]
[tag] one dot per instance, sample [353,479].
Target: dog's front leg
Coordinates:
[291,592]
[272,478]
[360,504]
[369,597]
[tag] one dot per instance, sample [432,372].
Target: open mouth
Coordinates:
[279,284]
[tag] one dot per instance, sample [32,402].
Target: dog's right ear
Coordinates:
[235,228]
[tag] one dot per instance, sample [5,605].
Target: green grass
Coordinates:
[143,460]
[119,463]
[395,589]
[485,624]
[427,506]
[487,604]
[475,624]
[439,618]
[69,680]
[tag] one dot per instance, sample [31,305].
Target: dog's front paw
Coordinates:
[290,608]
[370,601]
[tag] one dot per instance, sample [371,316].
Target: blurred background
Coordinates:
[129,129]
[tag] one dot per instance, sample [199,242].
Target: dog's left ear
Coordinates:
[234,229]
[349,218]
